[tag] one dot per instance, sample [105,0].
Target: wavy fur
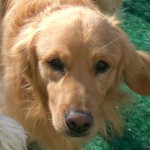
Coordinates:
[34,32]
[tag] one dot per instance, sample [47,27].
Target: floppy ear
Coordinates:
[136,64]
[21,64]
[137,72]
[4,4]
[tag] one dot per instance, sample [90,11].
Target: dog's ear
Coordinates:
[2,8]
[136,65]
[4,4]
[137,71]
[23,51]
[22,55]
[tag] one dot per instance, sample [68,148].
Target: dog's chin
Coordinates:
[63,130]
[70,134]
[77,135]
[67,133]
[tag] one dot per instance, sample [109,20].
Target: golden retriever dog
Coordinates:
[63,65]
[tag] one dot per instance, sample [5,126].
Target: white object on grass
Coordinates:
[12,135]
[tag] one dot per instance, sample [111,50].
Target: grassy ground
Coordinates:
[135,16]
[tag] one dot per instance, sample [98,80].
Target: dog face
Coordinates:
[77,57]
[78,67]
[81,61]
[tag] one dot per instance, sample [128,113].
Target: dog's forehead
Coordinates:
[76,28]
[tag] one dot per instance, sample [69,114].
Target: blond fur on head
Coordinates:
[75,32]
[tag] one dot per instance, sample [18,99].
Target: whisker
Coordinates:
[26,85]
[116,39]
[122,10]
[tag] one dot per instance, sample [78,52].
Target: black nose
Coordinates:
[78,122]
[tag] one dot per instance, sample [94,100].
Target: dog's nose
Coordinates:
[78,122]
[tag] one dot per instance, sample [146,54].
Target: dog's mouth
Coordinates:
[76,134]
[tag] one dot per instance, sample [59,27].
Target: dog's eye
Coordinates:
[101,67]
[56,64]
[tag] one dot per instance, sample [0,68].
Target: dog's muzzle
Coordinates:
[78,123]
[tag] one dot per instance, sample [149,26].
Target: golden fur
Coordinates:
[76,32]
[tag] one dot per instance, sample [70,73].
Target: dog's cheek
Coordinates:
[52,95]
[106,82]
[54,103]
[43,71]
